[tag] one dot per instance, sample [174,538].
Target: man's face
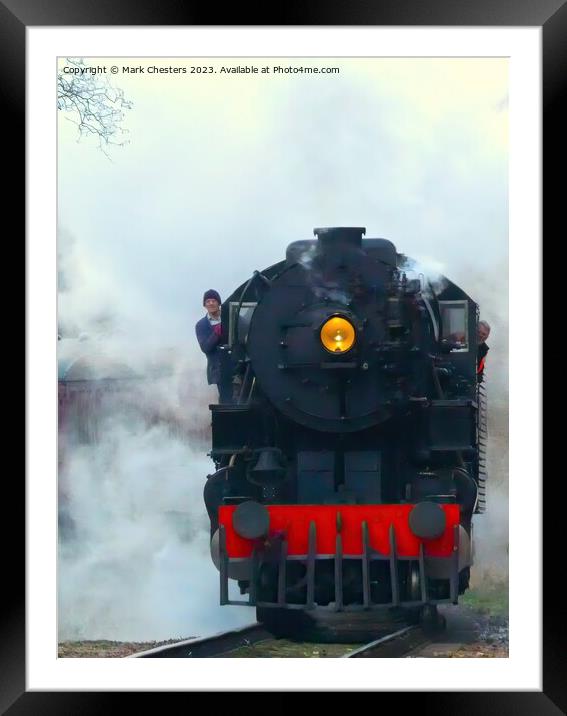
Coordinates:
[212,305]
[483,333]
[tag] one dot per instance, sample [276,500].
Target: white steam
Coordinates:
[134,560]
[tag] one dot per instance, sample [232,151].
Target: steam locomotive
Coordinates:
[350,464]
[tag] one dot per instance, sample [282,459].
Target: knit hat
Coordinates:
[211,293]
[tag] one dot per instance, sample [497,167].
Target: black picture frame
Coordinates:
[551,16]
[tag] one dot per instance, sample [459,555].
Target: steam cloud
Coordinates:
[135,564]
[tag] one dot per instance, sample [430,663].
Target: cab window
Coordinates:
[454,324]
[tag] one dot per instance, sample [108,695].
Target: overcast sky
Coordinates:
[223,171]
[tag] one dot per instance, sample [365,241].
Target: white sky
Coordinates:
[223,171]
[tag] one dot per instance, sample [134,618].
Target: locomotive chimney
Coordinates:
[340,236]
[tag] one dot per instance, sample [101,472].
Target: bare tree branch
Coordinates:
[95,106]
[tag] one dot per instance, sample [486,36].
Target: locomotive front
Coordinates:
[348,468]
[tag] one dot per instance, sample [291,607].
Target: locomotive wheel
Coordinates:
[431,621]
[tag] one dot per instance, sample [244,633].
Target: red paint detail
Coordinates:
[293,522]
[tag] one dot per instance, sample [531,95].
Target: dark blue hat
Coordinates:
[211,293]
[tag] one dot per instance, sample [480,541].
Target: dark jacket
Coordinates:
[208,340]
[481,357]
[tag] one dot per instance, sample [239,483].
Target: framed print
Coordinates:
[154,187]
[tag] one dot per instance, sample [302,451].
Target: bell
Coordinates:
[268,469]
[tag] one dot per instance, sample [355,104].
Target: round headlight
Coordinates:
[338,335]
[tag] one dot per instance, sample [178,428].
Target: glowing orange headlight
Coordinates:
[338,335]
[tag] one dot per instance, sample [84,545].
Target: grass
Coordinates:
[106,648]
[489,598]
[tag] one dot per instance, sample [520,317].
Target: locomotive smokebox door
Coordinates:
[317,341]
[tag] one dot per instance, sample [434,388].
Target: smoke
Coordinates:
[306,256]
[491,528]
[134,561]
[489,289]
[428,271]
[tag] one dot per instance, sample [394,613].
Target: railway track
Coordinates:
[400,643]
[208,646]
[255,641]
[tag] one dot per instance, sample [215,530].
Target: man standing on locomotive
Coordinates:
[208,331]
[483,333]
